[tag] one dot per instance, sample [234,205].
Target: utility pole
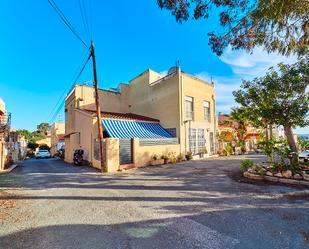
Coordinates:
[98,109]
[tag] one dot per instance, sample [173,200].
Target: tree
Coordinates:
[277,25]
[25,133]
[43,128]
[30,136]
[32,145]
[279,98]
[44,147]
[239,116]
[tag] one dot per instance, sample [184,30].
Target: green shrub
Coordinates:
[32,145]
[44,147]
[155,157]
[180,157]
[189,155]
[260,170]
[228,150]
[246,164]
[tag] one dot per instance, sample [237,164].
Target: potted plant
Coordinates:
[165,158]
[189,155]
[156,160]
[180,157]
[203,152]
[172,157]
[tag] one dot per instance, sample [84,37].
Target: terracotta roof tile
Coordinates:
[126,116]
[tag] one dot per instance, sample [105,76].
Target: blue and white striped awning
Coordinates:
[133,129]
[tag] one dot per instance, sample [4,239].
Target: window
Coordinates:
[206,106]
[189,108]
[196,140]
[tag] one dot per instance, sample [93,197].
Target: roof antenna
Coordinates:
[211,81]
[178,63]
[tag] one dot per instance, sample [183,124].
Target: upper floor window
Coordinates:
[189,108]
[206,106]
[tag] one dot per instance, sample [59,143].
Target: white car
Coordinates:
[304,155]
[42,154]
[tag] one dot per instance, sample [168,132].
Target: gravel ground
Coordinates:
[196,204]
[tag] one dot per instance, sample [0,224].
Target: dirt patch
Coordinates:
[6,205]
[238,177]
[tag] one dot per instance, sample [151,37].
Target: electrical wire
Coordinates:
[83,13]
[61,100]
[66,21]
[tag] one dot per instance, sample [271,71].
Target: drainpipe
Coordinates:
[215,134]
[181,107]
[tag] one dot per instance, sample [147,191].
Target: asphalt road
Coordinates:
[200,204]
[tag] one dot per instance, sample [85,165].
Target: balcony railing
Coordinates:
[5,122]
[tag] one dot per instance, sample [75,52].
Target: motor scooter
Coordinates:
[78,157]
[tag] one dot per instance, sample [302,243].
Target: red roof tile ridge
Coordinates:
[124,115]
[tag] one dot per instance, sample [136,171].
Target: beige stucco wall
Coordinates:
[56,129]
[81,137]
[142,154]
[149,94]
[112,154]
[46,140]
[156,100]
[110,101]
[200,91]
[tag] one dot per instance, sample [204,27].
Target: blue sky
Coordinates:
[39,55]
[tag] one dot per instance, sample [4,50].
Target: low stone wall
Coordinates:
[275,179]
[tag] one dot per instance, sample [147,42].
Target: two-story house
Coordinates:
[152,106]
[57,133]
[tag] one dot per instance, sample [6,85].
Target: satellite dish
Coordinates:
[172,70]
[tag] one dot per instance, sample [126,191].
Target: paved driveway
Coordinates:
[200,204]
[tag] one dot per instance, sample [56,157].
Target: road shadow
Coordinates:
[213,230]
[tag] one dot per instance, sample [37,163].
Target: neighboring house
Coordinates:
[57,137]
[12,145]
[156,113]
[46,140]
[228,133]
[5,122]
[18,146]
[278,132]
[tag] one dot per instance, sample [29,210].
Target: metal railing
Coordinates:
[5,122]
[158,141]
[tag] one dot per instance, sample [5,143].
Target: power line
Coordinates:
[66,21]
[75,80]
[62,99]
[65,90]
[83,13]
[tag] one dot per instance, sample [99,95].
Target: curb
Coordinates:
[276,179]
[4,171]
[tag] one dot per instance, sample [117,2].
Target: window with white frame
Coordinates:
[196,140]
[206,106]
[189,108]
